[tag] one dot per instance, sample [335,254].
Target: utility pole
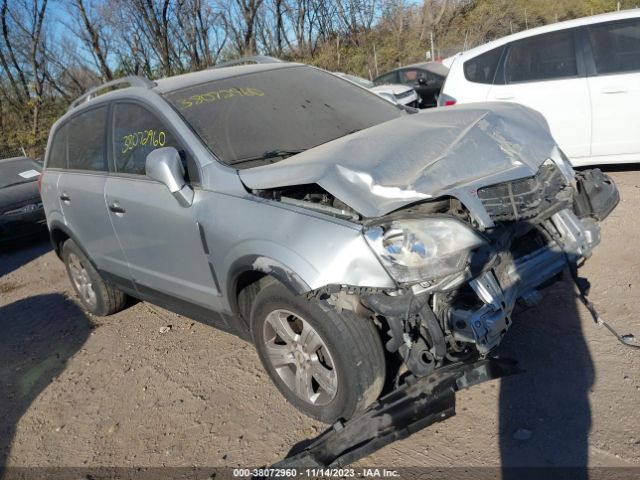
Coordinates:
[375,60]
[432,49]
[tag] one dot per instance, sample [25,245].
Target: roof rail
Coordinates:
[255,59]
[132,81]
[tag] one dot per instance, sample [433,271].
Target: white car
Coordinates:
[395,93]
[583,75]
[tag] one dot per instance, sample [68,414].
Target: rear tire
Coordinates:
[96,296]
[329,365]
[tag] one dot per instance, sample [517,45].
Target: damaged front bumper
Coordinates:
[511,279]
[572,233]
[527,250]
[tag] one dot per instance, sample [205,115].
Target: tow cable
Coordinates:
[582,285]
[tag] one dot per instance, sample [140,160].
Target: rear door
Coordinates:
[81,190]
[614,86]
[545,73]
[161,239]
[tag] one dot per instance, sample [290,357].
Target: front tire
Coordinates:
[96,296]
[329,365]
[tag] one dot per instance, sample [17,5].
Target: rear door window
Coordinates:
[86,140]
[136,133]
[482,69]
[616,46]
[544,57]
[58,154]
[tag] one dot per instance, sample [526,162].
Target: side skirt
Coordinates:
[226,323]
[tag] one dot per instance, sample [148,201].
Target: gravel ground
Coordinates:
[78,390]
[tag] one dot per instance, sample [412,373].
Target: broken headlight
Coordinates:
[423,250]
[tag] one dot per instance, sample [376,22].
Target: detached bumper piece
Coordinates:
[410,408]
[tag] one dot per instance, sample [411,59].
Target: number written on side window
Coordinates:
[142,138]
[136,133]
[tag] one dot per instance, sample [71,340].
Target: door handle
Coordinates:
[116,208]
[65,197]
[505,97]
[613,89]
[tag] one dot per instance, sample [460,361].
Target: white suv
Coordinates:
[583,75]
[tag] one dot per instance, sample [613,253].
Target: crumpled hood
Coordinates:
[418,157]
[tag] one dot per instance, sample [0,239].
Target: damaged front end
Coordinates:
[459,282]
[470,211]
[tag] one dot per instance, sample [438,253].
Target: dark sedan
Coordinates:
[21,212]
[426,79]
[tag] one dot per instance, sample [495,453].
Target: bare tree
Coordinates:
[91,33]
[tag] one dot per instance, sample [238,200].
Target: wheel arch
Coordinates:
[59,233]
[247,272]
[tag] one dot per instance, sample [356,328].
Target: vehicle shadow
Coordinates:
[39,334]
[15,254]
[544,412]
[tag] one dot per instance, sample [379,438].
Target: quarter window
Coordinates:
[85,140]
[616,46]
[482,69]
[543,57]
[136,133]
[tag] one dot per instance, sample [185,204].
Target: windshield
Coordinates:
[18,170]
[262,117]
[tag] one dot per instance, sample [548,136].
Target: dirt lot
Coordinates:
[77,390]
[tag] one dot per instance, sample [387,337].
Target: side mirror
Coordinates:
[165,166]
[422,81]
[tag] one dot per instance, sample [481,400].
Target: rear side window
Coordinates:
[136,133]
[543,57]
[616,46]
[58,154]
[86,140]
[482,69]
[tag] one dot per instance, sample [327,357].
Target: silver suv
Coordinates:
[349,239]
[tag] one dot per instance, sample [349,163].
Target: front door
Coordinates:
[160,239]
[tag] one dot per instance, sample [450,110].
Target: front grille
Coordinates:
[524,198]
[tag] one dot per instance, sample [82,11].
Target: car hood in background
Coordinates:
[26,192]
[420,156]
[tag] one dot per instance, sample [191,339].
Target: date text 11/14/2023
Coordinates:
[314,473]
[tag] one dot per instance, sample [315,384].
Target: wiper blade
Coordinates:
[269,154]
[280,153]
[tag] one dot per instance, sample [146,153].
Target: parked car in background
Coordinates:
[333,229]
[395,93]
[425,78]
[583,75]
[21,212]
